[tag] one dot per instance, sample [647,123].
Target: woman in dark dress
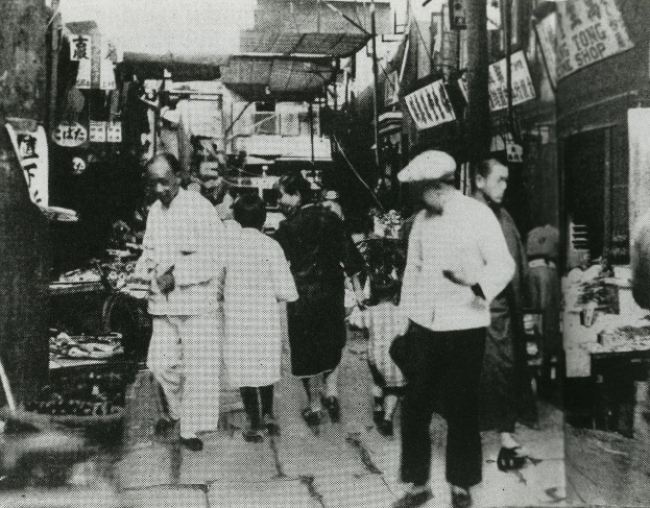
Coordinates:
[319,251]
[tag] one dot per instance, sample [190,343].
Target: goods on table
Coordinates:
[93,347]
[80,275]
[82,393]
[387,225]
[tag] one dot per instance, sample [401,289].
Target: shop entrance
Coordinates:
[584,194]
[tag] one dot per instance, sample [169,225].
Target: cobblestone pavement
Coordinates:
[347,464]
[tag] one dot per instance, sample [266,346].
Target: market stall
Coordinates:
[607,347]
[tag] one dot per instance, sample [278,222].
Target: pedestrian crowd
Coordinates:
[443,314]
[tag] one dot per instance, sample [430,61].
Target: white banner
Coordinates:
[522,86]
[31,149]
[430,106]
[587,32]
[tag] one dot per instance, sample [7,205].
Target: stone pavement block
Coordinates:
[303,453]
[149,464]
[534,485]
[280,493]
[368,491]
[61,498]
[168,496]
[228,458]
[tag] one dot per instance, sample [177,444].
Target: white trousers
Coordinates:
[185,358]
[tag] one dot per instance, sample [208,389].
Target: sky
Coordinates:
[158,26]
[179,26]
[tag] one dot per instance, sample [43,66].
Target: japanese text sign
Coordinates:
[430,106]
[521,83]
[70,134]
[31,148]
[588,31]
[114,132]
[97,132]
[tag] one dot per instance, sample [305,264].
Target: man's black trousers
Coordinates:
[448,364]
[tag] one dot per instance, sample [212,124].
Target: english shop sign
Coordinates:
[588,31]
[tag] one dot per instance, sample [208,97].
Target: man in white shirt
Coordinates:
[182,260]
[458,261]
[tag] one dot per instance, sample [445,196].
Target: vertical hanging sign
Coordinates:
[81,51]
[31,148]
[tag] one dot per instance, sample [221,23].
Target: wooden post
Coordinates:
[478,110]
[24,249]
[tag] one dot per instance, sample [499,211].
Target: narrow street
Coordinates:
[346,465]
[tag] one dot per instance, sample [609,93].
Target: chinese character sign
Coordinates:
[80,46]
[430,106]
[82,49]
[31,148]
[521,83]
[588,31]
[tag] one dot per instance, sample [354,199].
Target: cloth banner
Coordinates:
[32,152]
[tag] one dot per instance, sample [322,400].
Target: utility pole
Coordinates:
[375,72]
[477,123]
[507,31]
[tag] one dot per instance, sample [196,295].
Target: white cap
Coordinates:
[429,165]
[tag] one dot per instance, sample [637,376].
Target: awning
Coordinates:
[278,78]
[182,67]
[333,45]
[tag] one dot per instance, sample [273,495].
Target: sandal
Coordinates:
[509,459]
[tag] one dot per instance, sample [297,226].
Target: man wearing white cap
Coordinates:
[458,261]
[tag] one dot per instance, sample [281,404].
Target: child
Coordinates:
[257,280]
[385,262]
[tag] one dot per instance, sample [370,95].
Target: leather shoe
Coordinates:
[193,443]
[509,459]
[312,418]
[461,499]
[271,425]
[333,408]
[385,428]
[164,425]
[411,500]
[252,436]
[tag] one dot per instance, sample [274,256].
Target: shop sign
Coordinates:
[96,69]
[430,106]
[547,35]
[31,149]
[457,14]
[521,83]
[97,132]
[391,89]
[70,134]
[588,31]
[114,132]
[80,48]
